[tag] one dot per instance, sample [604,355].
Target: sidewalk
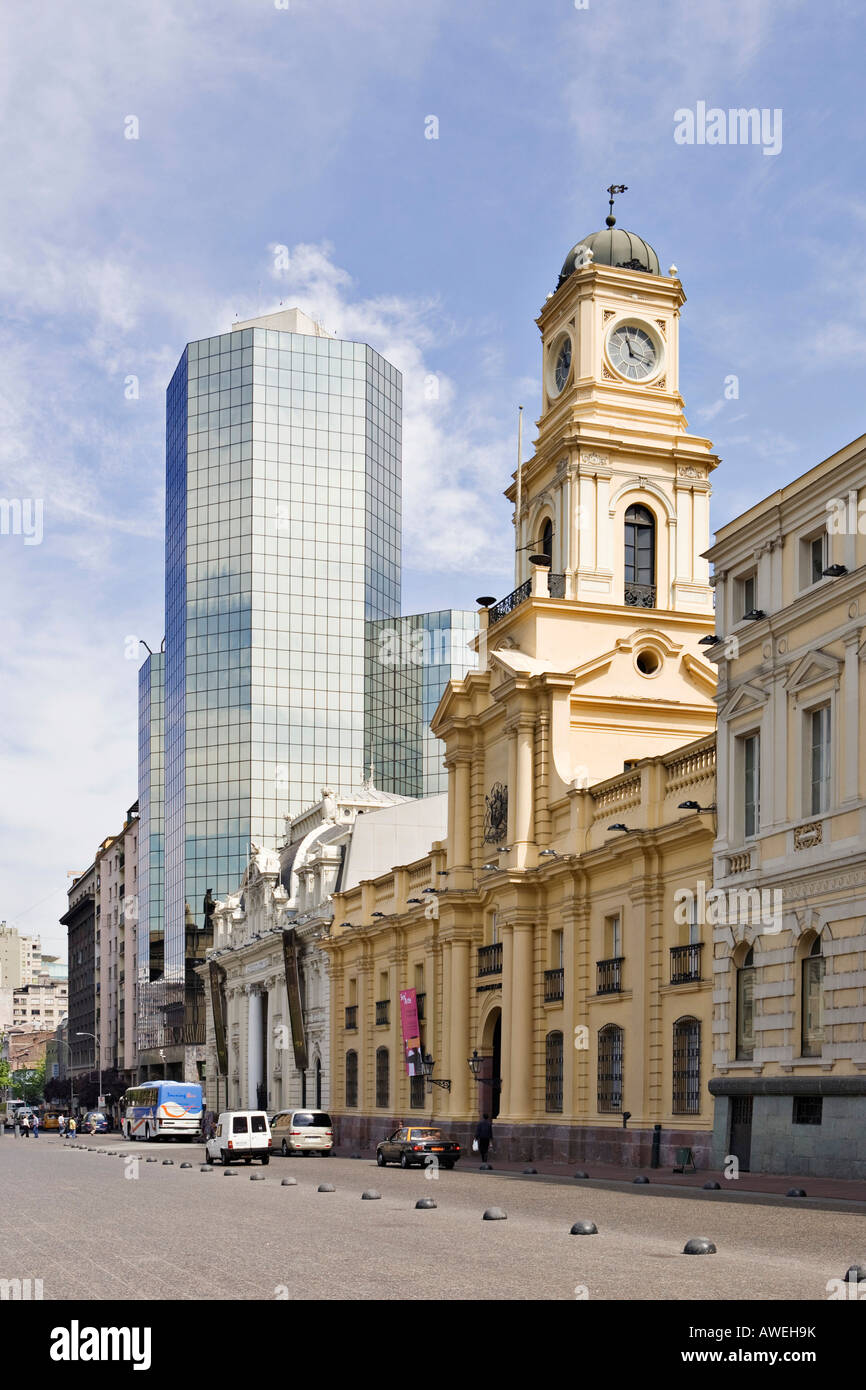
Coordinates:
[775,1184]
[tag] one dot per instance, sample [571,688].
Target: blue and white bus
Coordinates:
[162,1109]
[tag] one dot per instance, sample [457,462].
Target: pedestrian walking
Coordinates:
[484,1136]
[61,1124]
[25,1126]
[35,1126]
[70,1127]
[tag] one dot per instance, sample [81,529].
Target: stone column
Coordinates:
[462,811]
[521,1022]
[525,790]
[459,1050]
[254,1044]
[507,937]
[850,721]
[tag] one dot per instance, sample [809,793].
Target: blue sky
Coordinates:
[261,126]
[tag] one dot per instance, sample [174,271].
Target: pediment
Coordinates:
[613,672]
[811,668]
[746,697]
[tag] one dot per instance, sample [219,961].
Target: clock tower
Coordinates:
[617,492]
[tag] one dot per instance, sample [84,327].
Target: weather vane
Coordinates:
[613,190]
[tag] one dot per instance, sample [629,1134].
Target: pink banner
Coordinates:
[411,1032]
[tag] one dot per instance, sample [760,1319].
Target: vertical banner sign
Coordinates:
[293,990]
[411,1032]
[218,1005]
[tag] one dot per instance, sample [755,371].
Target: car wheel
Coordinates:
[380,1158]
[448,1163]
[208,1157]
[404,1161]
[284,1148]
[248,1160]
[266,1158]
[225,1158]
[146,1131]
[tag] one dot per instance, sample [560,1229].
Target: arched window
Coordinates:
[640,557]
[383,1099]
[553,1073]
[547,540]
[746,1008]
[610,1064]
[812,1002]
[351,1080]
[687,1067]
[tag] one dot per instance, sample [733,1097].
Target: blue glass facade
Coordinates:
[410,660]
[282,540]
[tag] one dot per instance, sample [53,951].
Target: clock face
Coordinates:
[632,352]
[563,365]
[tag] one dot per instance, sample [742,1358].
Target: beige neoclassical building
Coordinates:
[563,989]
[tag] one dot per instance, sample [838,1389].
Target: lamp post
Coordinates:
[68,1046]
[97,1059]
[475,1068]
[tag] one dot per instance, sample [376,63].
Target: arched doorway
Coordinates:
[490,1071]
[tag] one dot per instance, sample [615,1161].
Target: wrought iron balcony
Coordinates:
[351,1017]
[383,1012]
[509,603]
[490,959]
[555,588]
[554,985]
[686,963]
[640,595]
[610,975]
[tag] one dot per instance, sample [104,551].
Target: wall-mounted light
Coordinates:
[754,615]
[693,806]
[710,640]
[548,854]
[618,826]
[835,571]
[491,868]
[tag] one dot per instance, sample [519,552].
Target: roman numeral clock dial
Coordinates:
[632,352]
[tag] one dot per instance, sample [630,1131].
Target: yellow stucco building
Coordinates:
[561,990]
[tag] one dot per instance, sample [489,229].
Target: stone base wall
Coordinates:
[836,1148]
[568,1144]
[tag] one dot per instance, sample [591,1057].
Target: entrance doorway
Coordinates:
[490,1071]
[741,1131]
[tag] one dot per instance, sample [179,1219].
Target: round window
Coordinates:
[648,662]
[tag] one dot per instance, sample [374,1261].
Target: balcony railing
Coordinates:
[686,963]
[555,588]
[351,1017]
[508,604]
[421,1001]
[490,959]
[640,595]
[383,1012]
[554,985]
[610,975]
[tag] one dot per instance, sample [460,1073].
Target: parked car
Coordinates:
[413,1145]
[95,1122]
[303,1132]
[241,1136]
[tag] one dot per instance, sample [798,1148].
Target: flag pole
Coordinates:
[519,501]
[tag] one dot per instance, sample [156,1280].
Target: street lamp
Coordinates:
[427,1065]
[475,1068]
[97,1060]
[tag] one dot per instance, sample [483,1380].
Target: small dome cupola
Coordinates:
[613,246]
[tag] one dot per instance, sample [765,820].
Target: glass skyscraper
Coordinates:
[283,538]
[150,916]
[410,660]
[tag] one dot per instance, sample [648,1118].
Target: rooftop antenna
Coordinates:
[519,501]
[613,190]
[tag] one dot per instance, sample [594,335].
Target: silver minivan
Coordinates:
[240,1136]
[303,1132]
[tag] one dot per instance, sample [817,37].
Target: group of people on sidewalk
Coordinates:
[29,1124]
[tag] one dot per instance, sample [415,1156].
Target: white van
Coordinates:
[240,1136]
[303,1132]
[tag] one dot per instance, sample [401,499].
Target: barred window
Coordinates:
[416,1092]
[382,1071]
[610,1066]
[687,1067]
[351,1079]
[553,1074]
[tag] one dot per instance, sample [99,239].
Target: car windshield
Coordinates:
[318,1119]
[426,1133]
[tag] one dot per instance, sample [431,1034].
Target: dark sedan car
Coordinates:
[415,1145]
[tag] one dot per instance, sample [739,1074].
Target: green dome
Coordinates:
[613,246]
